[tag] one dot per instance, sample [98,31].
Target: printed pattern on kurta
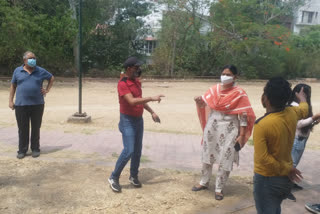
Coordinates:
[219,138]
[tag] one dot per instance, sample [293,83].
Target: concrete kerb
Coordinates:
[79,118]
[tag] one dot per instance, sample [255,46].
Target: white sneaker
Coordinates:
[114,185]
[314,208]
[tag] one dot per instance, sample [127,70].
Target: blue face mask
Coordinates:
[32,62]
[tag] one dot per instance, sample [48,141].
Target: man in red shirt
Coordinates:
[132,105]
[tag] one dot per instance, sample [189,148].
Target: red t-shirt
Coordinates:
[126,86]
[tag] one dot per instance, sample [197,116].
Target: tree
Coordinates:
[253,34]
[307,52]
[13,24]
[182,46]
[118,36]
[44,27]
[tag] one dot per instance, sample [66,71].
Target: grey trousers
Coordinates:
[221,178]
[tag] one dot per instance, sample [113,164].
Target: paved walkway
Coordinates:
[174,151]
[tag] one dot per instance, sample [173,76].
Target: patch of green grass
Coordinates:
[250,142]
[87,131]
[144,159]
[147,147]
[115,155]
[168,131]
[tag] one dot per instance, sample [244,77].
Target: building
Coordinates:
[154,19]
[307,15]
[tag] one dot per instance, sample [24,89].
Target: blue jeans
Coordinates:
[269,193]
[132,134]
[299,145]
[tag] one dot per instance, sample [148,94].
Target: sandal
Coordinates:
[198,188]
[218,196]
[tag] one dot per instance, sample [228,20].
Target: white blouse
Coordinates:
[302,123]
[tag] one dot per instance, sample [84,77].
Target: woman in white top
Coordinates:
[227,119]
[304,126]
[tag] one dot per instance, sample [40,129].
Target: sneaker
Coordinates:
[21,155]
[135,182]
[35,154]
[291,197]
[114,185]
[314,208]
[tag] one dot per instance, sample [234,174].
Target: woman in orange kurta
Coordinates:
[227,119]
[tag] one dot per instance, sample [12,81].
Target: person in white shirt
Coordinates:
[304,126]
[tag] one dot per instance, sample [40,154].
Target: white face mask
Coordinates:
[226,79]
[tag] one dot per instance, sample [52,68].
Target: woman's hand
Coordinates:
[302,97]
[157,98]
[316,117]
[155,118]
[241,140]
[295,175]
[199,101]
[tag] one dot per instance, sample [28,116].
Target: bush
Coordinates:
[112,71]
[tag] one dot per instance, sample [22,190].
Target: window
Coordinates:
[307,17]
[149,46]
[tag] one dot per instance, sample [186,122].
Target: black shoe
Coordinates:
[291,197]
[314,208]
[35,154]
[114,185]
[198,188]
[297,187]
[21,155]
[218,197]
[135,182]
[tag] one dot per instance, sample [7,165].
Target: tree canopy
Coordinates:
[197,37]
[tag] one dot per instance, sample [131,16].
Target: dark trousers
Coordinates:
[25,114]
[269,192]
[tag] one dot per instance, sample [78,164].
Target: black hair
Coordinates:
[293,98]
[278,91]
[232,68]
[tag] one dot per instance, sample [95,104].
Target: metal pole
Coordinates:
[79,116]
[80,57]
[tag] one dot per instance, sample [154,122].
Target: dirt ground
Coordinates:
[59,187]
[73,182]
[100,101]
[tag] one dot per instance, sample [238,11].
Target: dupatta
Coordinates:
[233,100]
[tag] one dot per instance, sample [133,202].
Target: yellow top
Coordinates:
[273,138]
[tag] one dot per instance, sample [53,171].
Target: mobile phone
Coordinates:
[237,147]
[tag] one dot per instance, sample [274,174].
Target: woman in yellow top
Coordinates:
[273,139]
